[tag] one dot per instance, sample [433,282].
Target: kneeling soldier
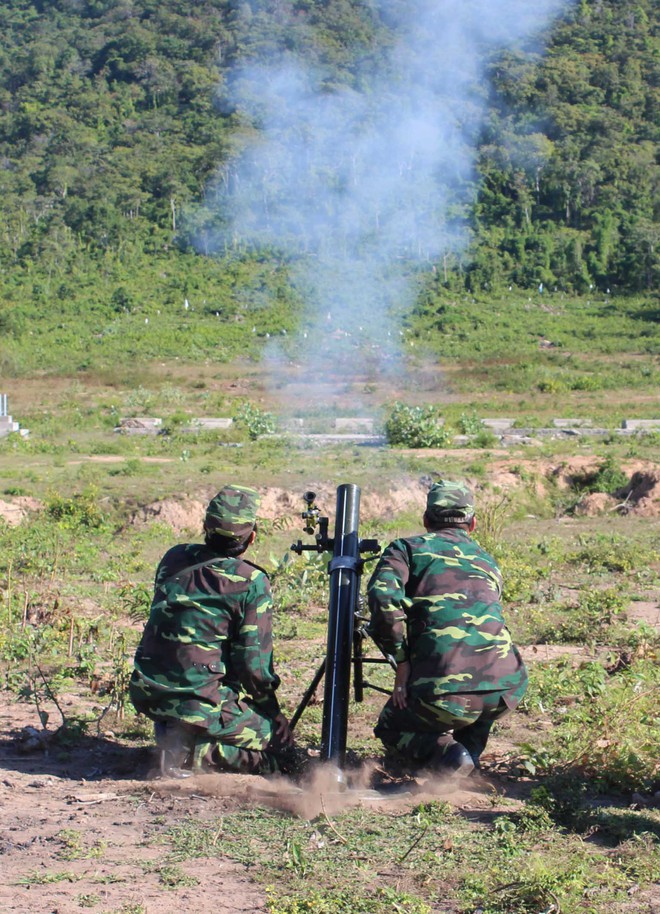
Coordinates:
[435,606]
[204,667]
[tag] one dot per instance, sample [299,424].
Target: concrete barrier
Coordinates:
[572,423]
[8,427]
[212,424]
[140,425]
[637,425]
[364,426]
[498,425]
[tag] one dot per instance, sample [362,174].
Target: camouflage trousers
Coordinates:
[419,730]
[234,737]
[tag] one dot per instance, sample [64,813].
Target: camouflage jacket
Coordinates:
[208,638]
[435,600]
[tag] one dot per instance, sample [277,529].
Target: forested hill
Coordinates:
[112,122]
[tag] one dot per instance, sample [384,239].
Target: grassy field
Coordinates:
[564,818]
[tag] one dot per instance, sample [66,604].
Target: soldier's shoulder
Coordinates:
[252,567]
[177,557]
[403,543]
[484,555]
[411,544]
[235,568]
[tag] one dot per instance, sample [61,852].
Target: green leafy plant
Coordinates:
[415,427]
[470,423]
[609,478]
[79,510]
[135,600]
[611,552]
[586,620]
[255,421]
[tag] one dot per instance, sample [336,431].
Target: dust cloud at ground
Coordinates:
[326,791]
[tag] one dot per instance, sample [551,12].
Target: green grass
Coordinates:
[504,862]
[76,578]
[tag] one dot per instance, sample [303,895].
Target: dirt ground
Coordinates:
[85,826]
[81,828]
[640,498]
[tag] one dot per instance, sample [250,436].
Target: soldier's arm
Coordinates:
[252,649]
[387,601]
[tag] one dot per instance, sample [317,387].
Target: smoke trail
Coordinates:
[367,187]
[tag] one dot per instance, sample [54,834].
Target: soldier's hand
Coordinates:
[400,691]
[283,731]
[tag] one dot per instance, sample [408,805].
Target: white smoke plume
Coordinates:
[368,187]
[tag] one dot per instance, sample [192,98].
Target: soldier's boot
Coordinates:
[174,749]
[453,759]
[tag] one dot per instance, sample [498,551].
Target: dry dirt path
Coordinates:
[79,833]
[86,829]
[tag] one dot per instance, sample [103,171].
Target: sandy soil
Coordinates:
[82,829]
[642,496]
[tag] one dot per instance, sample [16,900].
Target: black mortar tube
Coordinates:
[344,585]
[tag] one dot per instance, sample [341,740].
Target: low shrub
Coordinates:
[255,421]
[416,427]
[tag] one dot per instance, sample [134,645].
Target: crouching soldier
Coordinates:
[435,606]
[204,667]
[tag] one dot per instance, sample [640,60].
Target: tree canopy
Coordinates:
[115,127]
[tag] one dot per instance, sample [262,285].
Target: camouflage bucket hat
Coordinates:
[233,512]
[450,501]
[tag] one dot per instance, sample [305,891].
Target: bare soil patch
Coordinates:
[283,505]
[84,826]
[15,511]
[641,496]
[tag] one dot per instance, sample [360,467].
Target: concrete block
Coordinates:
[213,424]
[339,438]
[515,440]
[351,425]
[140,425]
[8,424]
[141,422]
[571,423]
[640,424]
[498,425]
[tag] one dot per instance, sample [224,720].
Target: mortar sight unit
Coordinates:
[347,624]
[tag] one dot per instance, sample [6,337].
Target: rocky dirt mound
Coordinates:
[640,497]
[187,515]
[182,515]
[409,495]
[14,512]
[596,503]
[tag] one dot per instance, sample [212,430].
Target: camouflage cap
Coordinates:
[449,502]
[233,512]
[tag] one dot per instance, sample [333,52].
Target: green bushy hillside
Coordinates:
[114,121]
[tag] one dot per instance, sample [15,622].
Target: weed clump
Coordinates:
[607,725]
[255,421]
[415,427]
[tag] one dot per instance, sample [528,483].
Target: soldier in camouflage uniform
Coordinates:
[204,667]
[435,606]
